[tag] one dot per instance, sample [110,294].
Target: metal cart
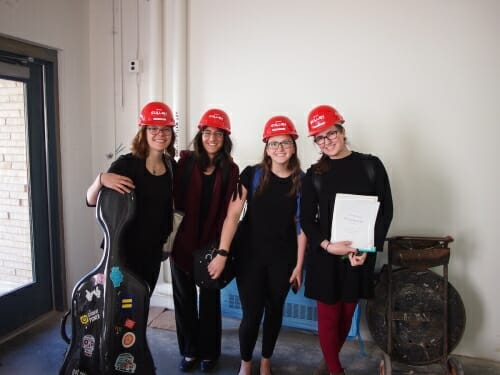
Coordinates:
[417,317]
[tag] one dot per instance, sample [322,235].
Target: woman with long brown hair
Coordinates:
[148,170]
[274,246]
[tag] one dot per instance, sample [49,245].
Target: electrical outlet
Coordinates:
[133,66]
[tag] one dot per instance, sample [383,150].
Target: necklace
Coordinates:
[155,169]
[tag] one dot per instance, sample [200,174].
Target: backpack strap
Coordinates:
[168,162]
[369,164]
[297,212]
[257,173]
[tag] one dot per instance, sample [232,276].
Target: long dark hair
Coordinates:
[222,157]
[293,166]
[140,147]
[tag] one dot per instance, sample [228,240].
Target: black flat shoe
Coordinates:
[208,365]
[186,365]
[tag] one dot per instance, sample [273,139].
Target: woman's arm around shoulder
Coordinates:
[115,179]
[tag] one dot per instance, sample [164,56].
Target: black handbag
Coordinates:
[202,258]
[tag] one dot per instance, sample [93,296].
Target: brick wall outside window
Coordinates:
[15,238]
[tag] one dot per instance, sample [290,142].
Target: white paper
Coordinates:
[354,220]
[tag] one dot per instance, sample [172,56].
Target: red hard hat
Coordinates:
[279,125]
[156,113]
[215,118]
[322,117]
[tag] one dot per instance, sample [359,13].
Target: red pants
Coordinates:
[334,323]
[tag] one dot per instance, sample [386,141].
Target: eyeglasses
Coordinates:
[331,135]
[274,145]
[209,133]
[156,130]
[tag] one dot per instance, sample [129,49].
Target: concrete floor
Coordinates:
[40,350]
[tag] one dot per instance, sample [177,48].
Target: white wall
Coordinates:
[63,25]
[417,82]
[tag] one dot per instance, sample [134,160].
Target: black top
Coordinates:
[207,187]
[153,220]
[329,278]
[271,219]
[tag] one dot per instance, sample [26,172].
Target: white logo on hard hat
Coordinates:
[216,116]
[317,121]
[159,112]
[278,126]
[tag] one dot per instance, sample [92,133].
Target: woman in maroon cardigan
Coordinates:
[204,181]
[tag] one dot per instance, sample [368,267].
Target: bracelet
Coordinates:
[100,176]
[222,252]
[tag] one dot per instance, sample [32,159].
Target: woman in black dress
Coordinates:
[337,274]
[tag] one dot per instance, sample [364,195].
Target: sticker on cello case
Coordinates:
[88,345]
[90,317]
[99,278]
[116,276]
[118,330]
[128,339]
[129,323]
[90,294]
[125,363]
[127,302]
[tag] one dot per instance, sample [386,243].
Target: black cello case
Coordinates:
[110,305]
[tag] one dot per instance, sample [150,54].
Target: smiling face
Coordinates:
[280,148]
[212,140]
[158,137]
[331,142]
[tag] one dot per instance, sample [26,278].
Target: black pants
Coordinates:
[263,289]
[145,267]
[198,320]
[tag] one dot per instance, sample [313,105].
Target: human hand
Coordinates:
[296,279]
[340,248]
[121,184]
[216,266]
[357,259]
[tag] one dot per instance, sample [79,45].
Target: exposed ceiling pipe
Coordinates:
[176,63]
[156,44]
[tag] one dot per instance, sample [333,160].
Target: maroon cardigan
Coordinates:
[187,199]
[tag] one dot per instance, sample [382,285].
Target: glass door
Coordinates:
[27,227]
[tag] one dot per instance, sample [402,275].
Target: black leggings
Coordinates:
[263,289]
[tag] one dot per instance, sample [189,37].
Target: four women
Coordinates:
[272,257]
